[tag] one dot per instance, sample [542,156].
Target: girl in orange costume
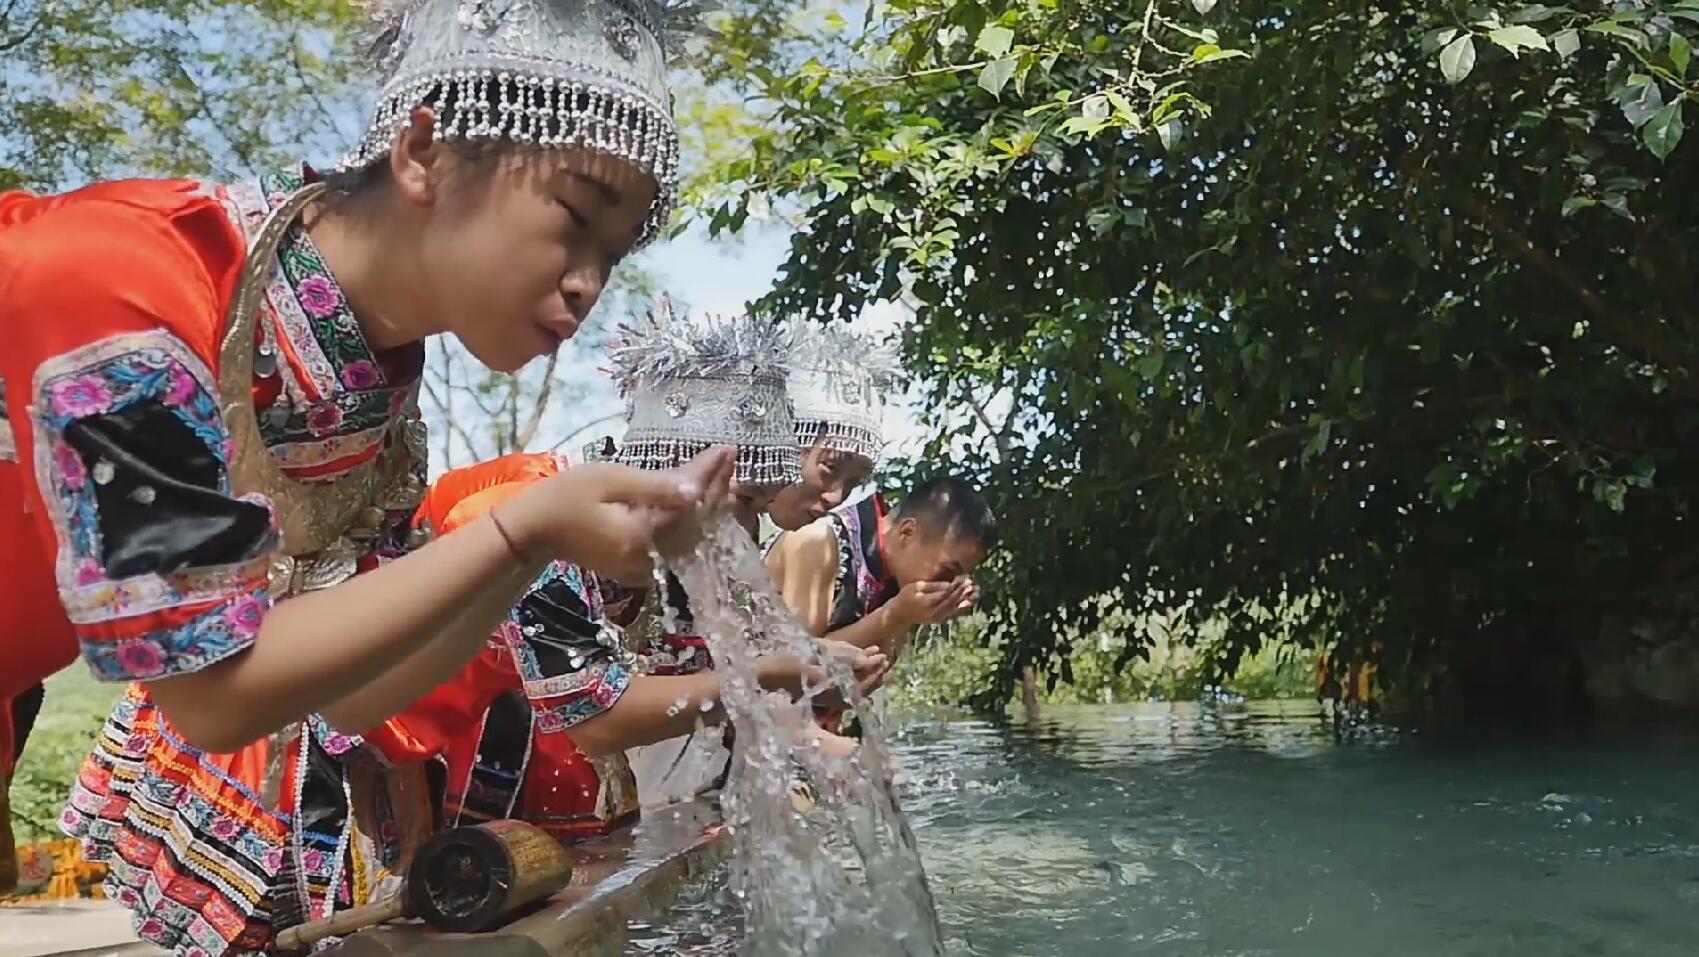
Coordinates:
[209,408]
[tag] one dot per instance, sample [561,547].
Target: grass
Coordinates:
[71,716]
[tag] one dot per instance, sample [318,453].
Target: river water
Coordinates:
[1223,830]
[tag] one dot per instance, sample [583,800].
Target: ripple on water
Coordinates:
[1249,829]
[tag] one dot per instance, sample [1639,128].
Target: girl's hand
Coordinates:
[607,518]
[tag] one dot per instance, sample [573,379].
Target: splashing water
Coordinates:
[842,877]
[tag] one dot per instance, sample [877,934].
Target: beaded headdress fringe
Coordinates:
[554,74]
[838,382]
[476,106]
[756,464]
[839,437]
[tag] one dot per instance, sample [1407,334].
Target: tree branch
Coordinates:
[12,43]
[522,439]
[444,402]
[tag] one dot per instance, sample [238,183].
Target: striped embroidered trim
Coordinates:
[101,377]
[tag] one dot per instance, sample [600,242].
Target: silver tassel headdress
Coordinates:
[690,386]
[838,382]
[590,74]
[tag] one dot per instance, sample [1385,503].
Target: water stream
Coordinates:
[844,877]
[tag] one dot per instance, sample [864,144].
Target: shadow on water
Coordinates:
[1255,829]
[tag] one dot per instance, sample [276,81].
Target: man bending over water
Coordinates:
[868,575]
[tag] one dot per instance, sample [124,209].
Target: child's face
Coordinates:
[750,501]
[828,478]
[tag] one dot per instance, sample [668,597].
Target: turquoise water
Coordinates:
[1226,830]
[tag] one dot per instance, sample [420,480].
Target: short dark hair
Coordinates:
[951,505]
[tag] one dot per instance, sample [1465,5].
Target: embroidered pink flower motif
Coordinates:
[195,952]
[337,743]
[88,572]
[244,615]
[70,466]
[68,819]
[227,448]
[128,897]
[360,374]
[324,419]
[224,829]
[606,693]
[141,658]
[313,860]
[151,929]
[319,297]
[75,398]
[135,744]
[550,722]
[273,859]
[183,387]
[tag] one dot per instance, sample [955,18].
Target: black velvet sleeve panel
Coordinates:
[157,490]
[556,624]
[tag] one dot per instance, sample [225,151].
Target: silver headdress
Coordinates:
[545,73]
[838,382]
[690,386]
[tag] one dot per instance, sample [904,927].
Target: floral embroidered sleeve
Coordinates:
[569,666]
[160,567]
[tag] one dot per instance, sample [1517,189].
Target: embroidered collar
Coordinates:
[332,384]
[347,358]
[876,565]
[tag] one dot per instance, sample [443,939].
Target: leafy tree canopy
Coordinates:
[1366,324]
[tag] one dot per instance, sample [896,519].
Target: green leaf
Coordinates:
[1663,132]
[1641,100]
[1203,6]
[1574,204]
[996,75]
[1457,59]
[1090,126]
[1151,365]
[995,41]
[1434,39]
[1518,38]
[1217,54]
[1618,204]
[1533,13]
[1681,52]
[1566,43]
[1168,131]
[1609,29]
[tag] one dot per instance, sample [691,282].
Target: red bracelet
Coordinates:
[519,553]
